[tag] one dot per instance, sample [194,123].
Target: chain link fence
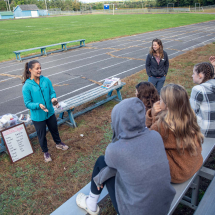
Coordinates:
[89,10]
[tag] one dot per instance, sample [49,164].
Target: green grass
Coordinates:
[29,33]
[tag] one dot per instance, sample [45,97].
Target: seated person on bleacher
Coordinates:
[134,169]
[202,97]
[176,122]
[147,93]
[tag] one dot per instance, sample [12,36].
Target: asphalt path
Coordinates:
[119,57]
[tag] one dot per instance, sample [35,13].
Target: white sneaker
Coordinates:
[81,202]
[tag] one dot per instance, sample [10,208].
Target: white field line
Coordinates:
[141,35]
[7,79]
[54,60]
[189,41]
[53,84]
[113,65]
[61,72]
[64,63]
[56,54]
[198,38]
[168,31]
[194,28]
[10,100]
[198,45]
[72,78]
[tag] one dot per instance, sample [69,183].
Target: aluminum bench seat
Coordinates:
[70,207]
[43,48]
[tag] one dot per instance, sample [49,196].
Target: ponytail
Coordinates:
[206,68]
[27,74]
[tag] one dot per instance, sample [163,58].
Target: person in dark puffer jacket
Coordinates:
[157,64]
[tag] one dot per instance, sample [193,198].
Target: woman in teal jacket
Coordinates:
[39,94]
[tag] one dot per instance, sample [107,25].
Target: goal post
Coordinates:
[197,5]
[170,7]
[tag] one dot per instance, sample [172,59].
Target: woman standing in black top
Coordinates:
[157,64]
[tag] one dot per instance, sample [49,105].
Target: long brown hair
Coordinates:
[180,118]
[205,68]
[27,74]
[153,52]
[147,93]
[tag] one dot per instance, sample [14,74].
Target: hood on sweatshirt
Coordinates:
[128,119]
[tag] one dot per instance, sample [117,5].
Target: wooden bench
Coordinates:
[43,48]
[78,100]
[70,207]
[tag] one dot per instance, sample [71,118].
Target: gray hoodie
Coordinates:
[138,161]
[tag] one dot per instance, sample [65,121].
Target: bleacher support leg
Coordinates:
[61,115]
[110,94]
[119,94]
[71,117]
[195,191]
[43,51]
[18,57]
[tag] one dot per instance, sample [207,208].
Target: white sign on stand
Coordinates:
[17,142]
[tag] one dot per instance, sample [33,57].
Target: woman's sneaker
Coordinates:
[62,146]
[47,157]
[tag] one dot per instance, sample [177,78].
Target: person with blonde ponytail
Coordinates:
[39,96]
[176,122]
[157,64]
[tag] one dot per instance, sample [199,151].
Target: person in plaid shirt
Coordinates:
[202,97]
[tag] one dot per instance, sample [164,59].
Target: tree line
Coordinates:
[63,4]
[75,5]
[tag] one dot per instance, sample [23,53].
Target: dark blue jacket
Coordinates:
[157,70]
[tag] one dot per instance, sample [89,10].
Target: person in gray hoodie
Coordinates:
[202,99]
[134,169]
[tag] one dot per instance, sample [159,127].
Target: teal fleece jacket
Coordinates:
[34,95]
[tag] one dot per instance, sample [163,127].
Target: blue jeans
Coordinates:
[157,82]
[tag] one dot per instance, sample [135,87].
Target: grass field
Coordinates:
[31,186]
[29,33]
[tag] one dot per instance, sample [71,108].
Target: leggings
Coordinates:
[40,127]
[110,183]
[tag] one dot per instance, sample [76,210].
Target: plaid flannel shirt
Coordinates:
[202,101]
